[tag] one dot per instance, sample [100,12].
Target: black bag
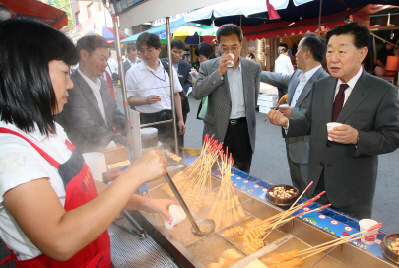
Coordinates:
[114,76]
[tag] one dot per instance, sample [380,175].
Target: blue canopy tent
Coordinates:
[160,30]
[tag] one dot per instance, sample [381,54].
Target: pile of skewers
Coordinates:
[194,182]
[227,209]
[255,234]
[293,259]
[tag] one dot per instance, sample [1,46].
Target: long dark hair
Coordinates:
[26,94]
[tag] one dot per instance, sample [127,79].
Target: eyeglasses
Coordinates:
[227,49]
[178,52]
[147,50]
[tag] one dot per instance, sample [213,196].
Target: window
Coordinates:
[89,10]
[77,18]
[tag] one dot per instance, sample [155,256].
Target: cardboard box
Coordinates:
[115,155]
[264,109]
[267,103]
[267,97]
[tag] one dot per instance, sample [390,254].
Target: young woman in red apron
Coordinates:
[34,78]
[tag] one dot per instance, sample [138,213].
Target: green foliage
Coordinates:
[65,6]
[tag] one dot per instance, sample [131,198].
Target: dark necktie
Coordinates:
[339,102]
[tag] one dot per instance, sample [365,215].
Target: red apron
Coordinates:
[80,189]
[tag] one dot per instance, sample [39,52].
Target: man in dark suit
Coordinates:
[311,51]
[232,96]
[90,118]
[131,57]
[183,69]
[367,107]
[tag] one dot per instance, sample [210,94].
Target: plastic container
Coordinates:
[149,137]
[392,65]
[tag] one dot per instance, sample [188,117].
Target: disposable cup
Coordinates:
[366,224]
[283,105]
[177,214]
[332,125]
[231,64]
[159,99]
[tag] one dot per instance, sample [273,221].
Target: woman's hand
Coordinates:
[149,167]
[159,206]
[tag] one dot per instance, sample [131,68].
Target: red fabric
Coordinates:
[339,102]
[79,191]
[110,86]
[38,11]
[273,15]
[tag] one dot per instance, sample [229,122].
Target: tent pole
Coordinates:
[126,106]
[172,101]
[318,28]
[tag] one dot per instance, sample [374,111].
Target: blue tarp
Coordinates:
[160,30]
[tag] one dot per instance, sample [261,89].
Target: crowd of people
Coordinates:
[53,214]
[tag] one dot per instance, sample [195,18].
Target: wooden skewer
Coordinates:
[299,198]
[377,226]
[343,241]
[281,101]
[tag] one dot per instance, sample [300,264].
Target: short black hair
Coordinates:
[130,47]
[284,45]
[177,44]
[251,55]
[206,50]
[315,44]
[26,93]
[91,43]
[360,33]
[227,30]
[150,39]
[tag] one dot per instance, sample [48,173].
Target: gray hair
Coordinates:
[281,50]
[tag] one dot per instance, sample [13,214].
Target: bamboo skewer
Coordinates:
[281,101]
[293,205]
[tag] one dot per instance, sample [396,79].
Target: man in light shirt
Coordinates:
[232,95]
[368,109]
[131,57]
[311,51]
[283,65]
[147,86]
[91,118]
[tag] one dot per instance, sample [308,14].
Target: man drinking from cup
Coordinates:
[232,95]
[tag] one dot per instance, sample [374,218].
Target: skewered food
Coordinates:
[226,210]
[173,156]
[283,99]
[281,257]
[294,263]
[228,258]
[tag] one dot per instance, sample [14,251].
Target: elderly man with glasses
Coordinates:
[232,86]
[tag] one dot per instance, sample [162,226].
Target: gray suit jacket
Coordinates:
[127,66]
[82,120]
[209,83]
[350,171]
[298,147]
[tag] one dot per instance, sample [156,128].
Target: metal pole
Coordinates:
[319,27]
[122,80]
[172,101]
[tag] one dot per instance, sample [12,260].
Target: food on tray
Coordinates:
[294,263]
[283,192]
[227,259]
[281,257]
[394,245]
[173,156]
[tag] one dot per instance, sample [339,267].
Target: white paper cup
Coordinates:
[96,163]
[231,64]
[160,99]
[366,224]
[177,214]
[283,105]
[331,126]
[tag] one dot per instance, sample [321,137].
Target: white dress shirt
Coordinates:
[142,81]
[95,87]
[132,63]
[304,78]
[236,92]
[351,83]
[283,65]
